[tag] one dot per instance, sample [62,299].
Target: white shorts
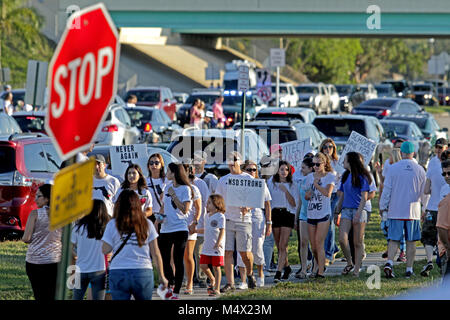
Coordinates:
[258,236]
[192,236]
[241,232]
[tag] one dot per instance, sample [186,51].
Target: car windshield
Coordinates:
[398,128]
[7,160]
[278,115]
[146,95]
[398,86]
[386,103]
[208,99]
[420,122]
[444,90]
[339,127]
[31,123]
[283,89]
[382,89]
[342,89]
[217,148]
[236,101]
[422,88]
[307,89]
[137,116]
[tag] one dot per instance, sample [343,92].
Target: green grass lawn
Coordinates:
[437,109]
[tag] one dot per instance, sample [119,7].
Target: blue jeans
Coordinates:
[126,282]
[330,244]
[269,242]
[97,281]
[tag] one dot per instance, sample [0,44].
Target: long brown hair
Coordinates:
[357,169]
[142,183]
[181,176]
[334,155]
[276,176]
[218,202]
[162,173]
[326,161]
[129,216]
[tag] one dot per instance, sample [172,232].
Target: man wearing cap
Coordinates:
[403,186]
[105,186]
[435,181]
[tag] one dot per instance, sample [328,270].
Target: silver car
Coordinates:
[117,129]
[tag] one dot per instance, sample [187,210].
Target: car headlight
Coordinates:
[426,96]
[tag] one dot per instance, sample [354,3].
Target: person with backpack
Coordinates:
[87,247]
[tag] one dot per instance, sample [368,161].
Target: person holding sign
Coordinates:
[285,198]
[321,183]
[134,179]
[353,195]
[44,249]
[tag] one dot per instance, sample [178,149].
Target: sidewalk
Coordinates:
[332,270]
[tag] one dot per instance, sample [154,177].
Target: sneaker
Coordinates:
[251,281]
[287,272]
[388,271]
[168,294]
[277,277]
[227,288]
[409,274]
[401,257]
[384,255]
[426,269]
[260,282]
[242,286]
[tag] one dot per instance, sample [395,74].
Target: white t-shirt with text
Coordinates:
[319,206]
[175,219]
[213,224]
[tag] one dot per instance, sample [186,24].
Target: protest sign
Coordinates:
[245,192]
[358,143]
[294,151]
[123,156]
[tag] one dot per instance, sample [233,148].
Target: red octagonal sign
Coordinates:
[82,79]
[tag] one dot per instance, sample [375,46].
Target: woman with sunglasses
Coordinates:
[134,179]
[353,195]
[328,147]
[177,203]
[285,198]
[156,181]
[44,249]
[261,228]
[321,184]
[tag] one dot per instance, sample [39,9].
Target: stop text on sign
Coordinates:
[89,71]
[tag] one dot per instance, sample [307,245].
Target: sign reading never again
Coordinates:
[71,196]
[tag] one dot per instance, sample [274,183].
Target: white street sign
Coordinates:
[244,78]
[277,57]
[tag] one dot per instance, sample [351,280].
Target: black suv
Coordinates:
[425,94]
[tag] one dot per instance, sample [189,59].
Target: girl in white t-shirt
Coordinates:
[87,247]
[214,244]
[156,182]
[134,179]
[131,236]
[321,184]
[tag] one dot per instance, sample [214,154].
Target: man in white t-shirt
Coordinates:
[200,159]
[239,226]
[403,187]
[105,186]
[440,146]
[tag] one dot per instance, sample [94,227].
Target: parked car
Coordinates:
[304,114]
[385,90]
[401,87]
[32,121]
[385,107]
[217,143]
[26,161]
[288,95]
[281,131]
[425,94]
[444,96]
[409,131]
[151,120]
[346,92]
[207,96]
[339,128]
[314,96]
[159,97]
[426,123]
[8,125]
[334,99]
[232,106]
[117,128]
[369,91]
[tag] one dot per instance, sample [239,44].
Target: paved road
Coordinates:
[443,121]
[333,270]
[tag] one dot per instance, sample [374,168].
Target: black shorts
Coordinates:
[429,231]
[314,222]
[282,218]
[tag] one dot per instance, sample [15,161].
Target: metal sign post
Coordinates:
[277,59]
[243,86]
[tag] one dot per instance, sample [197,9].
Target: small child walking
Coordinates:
[214,242]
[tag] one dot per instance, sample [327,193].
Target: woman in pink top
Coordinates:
[196,115]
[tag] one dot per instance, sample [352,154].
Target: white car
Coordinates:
[288,95]
[117,130]
[334,98]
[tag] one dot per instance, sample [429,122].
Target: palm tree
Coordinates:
[20,38]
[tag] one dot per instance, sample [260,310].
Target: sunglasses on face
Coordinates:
[317,164]
[439,147]
[154,163]
[327,147]
[446,174]
[251,170]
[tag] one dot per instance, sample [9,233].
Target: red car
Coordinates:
[26,161]
[159,97]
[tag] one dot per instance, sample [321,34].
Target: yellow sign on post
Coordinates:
[71,196]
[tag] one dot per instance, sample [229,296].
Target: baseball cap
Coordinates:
[407,147]
[100,158]
[441,142]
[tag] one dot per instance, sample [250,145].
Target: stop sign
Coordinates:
[82,79]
